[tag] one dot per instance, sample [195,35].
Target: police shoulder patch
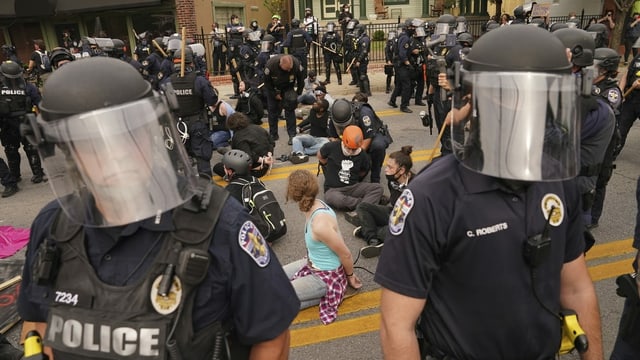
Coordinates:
[253,243]
[595,89]
[552,209]
[145,63]
[366,120]
[613,96]
[401,209]
[406,45]
[267,71]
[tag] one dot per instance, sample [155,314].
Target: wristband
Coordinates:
[349,275]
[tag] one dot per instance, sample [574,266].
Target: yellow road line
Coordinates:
[336,330]
[620,247]
[369,300]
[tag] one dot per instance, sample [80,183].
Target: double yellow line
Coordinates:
[302,335]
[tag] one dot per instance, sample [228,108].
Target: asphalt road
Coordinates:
[354,335]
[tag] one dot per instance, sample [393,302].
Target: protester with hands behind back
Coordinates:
[322,276]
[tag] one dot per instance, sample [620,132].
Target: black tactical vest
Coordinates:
[13,101]
[92,320]
[189,102]
[298,44]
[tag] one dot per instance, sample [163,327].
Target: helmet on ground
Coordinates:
[580,43]
[295,23]
[352,137]
[115,157]
[517,118]
[59,54]
[238,161]
[606,59]
[11,70]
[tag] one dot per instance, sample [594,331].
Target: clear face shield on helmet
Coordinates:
[517,125]
[392,35]
[266,46]
[442,29]
[174,45]
[331,27]
[117,165]
[420,32]
[461,27]
[351,25]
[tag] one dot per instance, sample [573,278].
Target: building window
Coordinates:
[329,9]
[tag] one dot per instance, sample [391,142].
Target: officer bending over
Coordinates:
[132,258]
[500,216]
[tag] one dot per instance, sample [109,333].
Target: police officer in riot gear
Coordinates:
[297,42]
[363,47]
[60,56]
[605,85]
[403,67]
[418,60]
[283,83]
[389,49]
[127,249]
[235,31]
[194,94]
[349,44]
[248,55]
[267,51]
[17,99]
[144,47]
[332,50]
[9,52]
[517,159]
[151,65]
[344,113]
[598,120]
[630,84]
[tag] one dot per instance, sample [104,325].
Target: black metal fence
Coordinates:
[378,33]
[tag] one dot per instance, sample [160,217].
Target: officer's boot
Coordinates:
[327,73]
[388,89]
[36,166]
[366,86]
[354,76]
[339,75]
[13,161]
[236,90]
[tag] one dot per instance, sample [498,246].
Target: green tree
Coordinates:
[276,7]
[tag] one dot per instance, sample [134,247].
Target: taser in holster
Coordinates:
[33,347]
[573,337]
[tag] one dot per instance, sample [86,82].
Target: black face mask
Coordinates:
[393,182]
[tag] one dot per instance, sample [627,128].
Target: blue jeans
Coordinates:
[220,138]
[307,144]
[310,289]
[306,99]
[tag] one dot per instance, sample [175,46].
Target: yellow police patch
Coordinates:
[253,243]
[401,209]
[552,209]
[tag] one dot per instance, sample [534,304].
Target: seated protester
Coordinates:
[374,218]
[220,134]
[304,145]
[250,103]
[308,95]
[322,94]
[345,165]
[322,276]
[253,140]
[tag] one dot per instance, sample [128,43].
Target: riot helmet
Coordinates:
[445,24]
[60,56]
[360,29]
[198,49]
[599,34]
[11,70]
[115,157]
[461,25]
[557,26]
[392,35]
[514,117]
[295,23]
[573,23]
[331,26]
[8,50]
[352,137]
[266,45]
[519,12]
[188,55]
[352,24]
[492,26]
[420,32]
[174,43]
[580,43]
[606,60]
[465,39]
[341,114]
[238,161]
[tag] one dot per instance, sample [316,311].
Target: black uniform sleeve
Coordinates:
[575,232]
[263,302]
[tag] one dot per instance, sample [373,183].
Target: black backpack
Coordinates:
[45,62]
[263,207]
